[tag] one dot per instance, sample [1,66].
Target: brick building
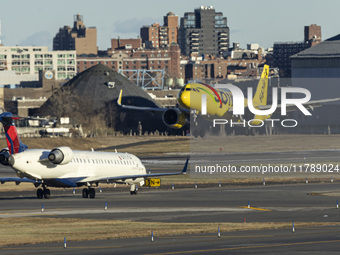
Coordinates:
[167,59]
[119,44]
[79,38]
[156,36]
[213,67]
[284,50]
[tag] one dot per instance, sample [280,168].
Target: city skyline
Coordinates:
[28,23]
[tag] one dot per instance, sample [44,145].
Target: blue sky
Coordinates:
[36,22]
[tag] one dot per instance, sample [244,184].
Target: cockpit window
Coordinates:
[187,89]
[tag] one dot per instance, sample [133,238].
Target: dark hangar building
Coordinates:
[318,70]
[92,96]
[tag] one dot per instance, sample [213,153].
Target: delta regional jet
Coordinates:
[64,167]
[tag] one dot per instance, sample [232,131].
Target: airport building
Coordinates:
[318,70]
[204,31]
[79,38]
[156,36]
[27,61]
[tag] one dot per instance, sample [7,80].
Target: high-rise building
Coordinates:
[156,36]
[204,31]
[79,38]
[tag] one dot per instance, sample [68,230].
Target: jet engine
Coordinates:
[4,154]
[174,118]
[61,155]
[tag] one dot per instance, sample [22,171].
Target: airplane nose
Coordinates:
[11,160]
[185,99]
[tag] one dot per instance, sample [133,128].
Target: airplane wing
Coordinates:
[141,108]
[310,105]
[17,180]
[125,177]
[154,109]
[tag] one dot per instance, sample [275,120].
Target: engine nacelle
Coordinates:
[174,118]
[61,155]
[4,154]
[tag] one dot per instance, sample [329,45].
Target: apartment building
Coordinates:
[29,60]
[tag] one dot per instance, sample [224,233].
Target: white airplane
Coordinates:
[64,167]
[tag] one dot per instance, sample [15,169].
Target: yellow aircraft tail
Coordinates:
[260,97]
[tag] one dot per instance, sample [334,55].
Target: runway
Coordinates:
[226,204]
[313,202]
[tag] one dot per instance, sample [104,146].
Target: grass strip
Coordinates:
[32,230]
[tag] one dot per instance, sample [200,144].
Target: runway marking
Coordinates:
[55,212]
[255,208]
[246,247]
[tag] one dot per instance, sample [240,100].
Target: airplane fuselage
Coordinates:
[190,97]
[84,165]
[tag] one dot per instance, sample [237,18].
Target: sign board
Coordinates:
[152,182]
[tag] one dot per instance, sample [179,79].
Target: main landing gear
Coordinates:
[198,132]
[89,192]
[43,192]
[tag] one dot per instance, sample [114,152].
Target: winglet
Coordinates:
[184,171]
[119,100]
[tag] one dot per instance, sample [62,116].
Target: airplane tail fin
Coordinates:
[260,97]
[13,141]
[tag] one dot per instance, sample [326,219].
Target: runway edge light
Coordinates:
[293,230]
[65,243]
[218,232]
[152,239]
